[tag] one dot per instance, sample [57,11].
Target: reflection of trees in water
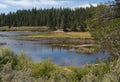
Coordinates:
[60,47]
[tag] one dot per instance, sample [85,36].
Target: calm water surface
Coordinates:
[39,52]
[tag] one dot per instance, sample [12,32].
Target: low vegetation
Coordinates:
[20,68]
[79,48]
[59,35]
[25,28]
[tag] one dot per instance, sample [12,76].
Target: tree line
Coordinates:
[78,19]
[62,18]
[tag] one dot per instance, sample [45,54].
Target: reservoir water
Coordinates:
[39,52]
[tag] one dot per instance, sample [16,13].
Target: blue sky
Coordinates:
[14,5]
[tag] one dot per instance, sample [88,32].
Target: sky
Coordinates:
[7,6]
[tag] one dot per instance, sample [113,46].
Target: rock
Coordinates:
[3,43]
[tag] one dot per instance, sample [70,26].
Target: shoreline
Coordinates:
[84,46]
[80,41]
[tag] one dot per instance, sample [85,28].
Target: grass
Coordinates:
[60,35]
[85,50]
[47,34]
[25,28]
[79,48]
[70,43]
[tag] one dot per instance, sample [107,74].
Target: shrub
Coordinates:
[43,69]
[107,73]
[20,68]
[6,56]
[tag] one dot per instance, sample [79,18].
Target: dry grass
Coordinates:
[62,35]
[25,28]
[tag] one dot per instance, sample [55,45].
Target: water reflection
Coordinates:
[39,52]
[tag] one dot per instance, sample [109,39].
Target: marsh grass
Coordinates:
[58,35]
[62,35]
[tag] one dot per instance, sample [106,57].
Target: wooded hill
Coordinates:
[78,19]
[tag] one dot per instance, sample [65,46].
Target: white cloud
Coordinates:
[3,6]
[34,3]
[18,3]
[47,2]
[88,5]
[85,5]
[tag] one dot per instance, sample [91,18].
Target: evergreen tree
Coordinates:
[62,18]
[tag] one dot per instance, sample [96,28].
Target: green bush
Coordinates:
[20,68]
[107,73]
[23,62]
[43,69]
[6,56]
